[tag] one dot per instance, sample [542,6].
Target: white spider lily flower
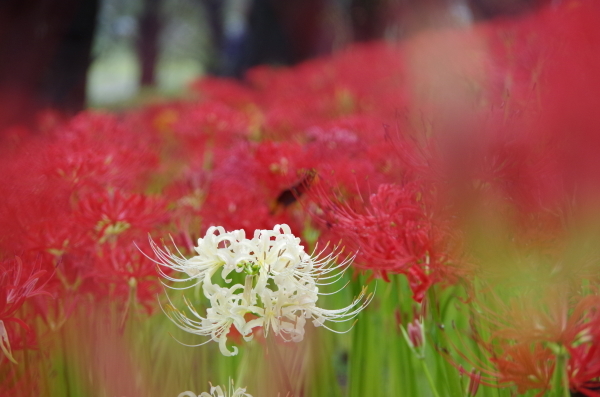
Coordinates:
[279,293]
[224,312]
[282,313]
[217,391]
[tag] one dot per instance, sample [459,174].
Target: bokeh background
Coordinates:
[70,54]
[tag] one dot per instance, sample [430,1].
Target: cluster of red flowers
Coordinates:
[394,149]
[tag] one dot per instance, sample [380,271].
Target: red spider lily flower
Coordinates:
[47,227]
[227,91]
[526,366]
[279,165]
[328,88]
[212,120]
[128,276]
[384,90]
[355,152]
[524,336]
[17,283]
[211,124]
[584,349]
[95,151]
[584,368]
[552,316]
[34,210]
[238,203]
[394,234]
[245,184]
[113,212]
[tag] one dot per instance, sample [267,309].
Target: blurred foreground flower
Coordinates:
[18,282]
[278,285]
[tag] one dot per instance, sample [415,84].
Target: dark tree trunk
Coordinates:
[266,41]
[366,19]
[45,53]
[485,9]
[148,42]
[66,77]
[214,10]
[302,23]
[280,32]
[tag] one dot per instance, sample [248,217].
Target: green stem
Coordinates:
[26,363]
[560,379]
[429,377]
[65,367]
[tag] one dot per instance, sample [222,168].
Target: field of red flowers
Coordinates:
[459,170]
